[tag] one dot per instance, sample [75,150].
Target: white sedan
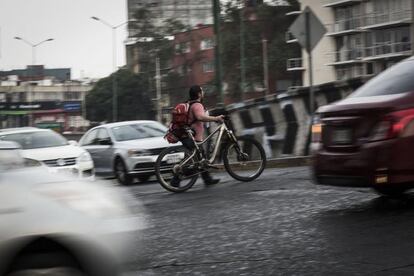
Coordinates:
[126,149]
[52,150]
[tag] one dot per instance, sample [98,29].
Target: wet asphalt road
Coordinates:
[280,224]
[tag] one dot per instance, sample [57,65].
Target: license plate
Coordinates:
[64,170]
[342,136]
[173,158]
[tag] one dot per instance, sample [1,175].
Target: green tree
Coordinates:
[261,21]
[134,102]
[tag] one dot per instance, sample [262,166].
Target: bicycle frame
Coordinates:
[221,129]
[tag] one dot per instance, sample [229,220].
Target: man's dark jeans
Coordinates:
[188,143]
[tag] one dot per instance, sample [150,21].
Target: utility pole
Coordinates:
[242,53]
[265,67]
[29,97]
[114,65]
[309,50]
[412,27]
[217,52]
[158,87]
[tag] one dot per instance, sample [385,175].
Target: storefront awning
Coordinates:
[13,112]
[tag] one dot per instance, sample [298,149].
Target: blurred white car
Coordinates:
[52,150]
[53,224]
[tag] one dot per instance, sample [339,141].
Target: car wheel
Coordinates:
[143,178]
[121,173]
[390,191]
[48,264]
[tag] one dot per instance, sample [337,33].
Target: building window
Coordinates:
[184,69]
[207,43]
[208,67]
[183,48]
[72,96]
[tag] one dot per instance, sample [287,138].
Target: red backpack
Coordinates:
[180,119]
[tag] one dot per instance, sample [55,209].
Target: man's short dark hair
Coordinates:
[194,92]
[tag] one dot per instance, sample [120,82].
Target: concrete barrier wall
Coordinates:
[282,122]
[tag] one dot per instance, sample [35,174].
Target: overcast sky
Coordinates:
[80,43]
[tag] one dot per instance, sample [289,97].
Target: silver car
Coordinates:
[53,224]
[126,150]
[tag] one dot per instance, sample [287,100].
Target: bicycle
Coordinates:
[240,155]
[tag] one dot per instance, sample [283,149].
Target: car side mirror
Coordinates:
[105,142]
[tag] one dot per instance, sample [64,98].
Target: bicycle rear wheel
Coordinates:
[169,164]
[244,161]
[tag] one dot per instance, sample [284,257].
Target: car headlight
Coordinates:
[32,163]
[84,157]
[90,200]
[138,152]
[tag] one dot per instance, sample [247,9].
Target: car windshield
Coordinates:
[36,140]
[138,131]
[397,79]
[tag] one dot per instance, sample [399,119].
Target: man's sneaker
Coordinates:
[175,182]
[211,181]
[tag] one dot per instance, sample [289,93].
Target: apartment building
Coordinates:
[298,66]
[364,37]
[193,60]
[46,103]
[189,12]
[369,36]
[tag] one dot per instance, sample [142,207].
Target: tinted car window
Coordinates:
[138,131]
[36,140]
[397,79]
[102,134]
[89,138]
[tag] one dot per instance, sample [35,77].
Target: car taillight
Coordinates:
[316,129]
[393,125]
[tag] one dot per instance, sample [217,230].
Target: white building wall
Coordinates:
[320,54]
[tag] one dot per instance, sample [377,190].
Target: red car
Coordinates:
[367,139]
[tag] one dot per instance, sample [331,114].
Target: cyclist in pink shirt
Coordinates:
[197,117]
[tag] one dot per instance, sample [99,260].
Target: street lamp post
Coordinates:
[114,66]
[33,45]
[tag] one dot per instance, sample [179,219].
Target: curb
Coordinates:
[286,162]
[289,162]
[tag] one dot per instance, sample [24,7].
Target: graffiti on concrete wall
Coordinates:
[282,123]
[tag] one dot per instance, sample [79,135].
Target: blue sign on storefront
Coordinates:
[72,106]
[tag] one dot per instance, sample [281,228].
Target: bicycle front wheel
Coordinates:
[173,169]
[244,161]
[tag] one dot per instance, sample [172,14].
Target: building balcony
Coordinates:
[293,13]
[343,27]
[338,3]
[295,64]
[377,21]
[387,50]
[345,56]
[290,38]
[349,72]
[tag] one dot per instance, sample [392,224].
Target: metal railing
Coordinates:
[388,48]
[290,37]
[334,2]
[346,55]
[355,54]
[294,63]
[388,17]
[349,73]
[352,23]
